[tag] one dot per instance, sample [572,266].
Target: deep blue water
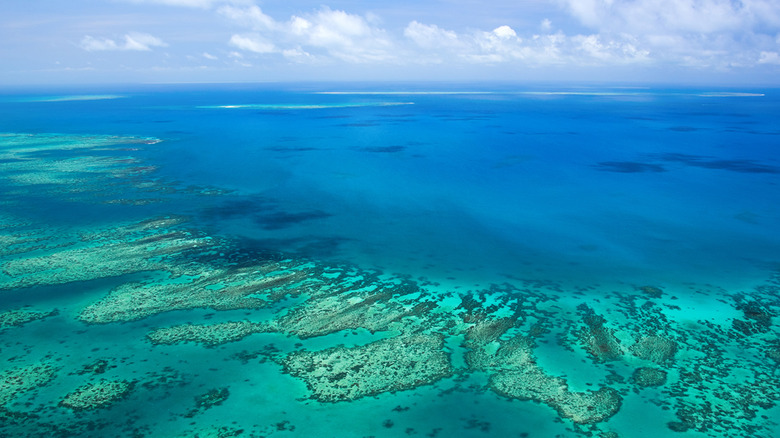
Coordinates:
[667,184]
[460,185]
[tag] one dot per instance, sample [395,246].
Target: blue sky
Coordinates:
[103,41]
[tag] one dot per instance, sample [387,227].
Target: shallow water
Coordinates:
[466,260]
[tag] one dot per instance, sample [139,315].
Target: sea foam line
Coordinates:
[71,98]
[302,106]
[547,93]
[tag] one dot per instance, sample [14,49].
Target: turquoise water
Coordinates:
[593,231]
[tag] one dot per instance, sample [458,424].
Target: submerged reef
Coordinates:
[219,289]
[209,335]
[346,334]
[389,365]
[16,381]
[96,395]
[515,374]
[649,376]
[19,317]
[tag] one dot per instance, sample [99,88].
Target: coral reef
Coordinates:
[97,395]
[212,432]
[369,309]
[213,397]
[716,374]
[395,364]
[655,348]
[16,381]
[531,383]
[209,335]
[515,374]
[648,376]
[220,289]
[598,340]
[102,258]
[18,317]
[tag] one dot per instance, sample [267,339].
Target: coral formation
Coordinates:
[515,374]
[207,334]
[598,340]
[220,289]
[97,395]
[395,364]
[213,397]
[16,381]
[648,376]
[655,348]
[18,317]
[716,375]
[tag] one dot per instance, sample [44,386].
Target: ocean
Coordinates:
[377,260]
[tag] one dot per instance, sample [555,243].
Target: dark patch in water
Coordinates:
[384,149]
[307,246]
[285,149]
[628,167]
[741,166]
[358,125]
[749,131]
[283,219]
[238,208]
[683,128]
[747,217]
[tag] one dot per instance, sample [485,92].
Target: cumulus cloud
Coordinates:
[430,36]
[251,16]
[252,43]
[326,34]
[769,58]
[653,16]
[609,51]
[335,33]
[697,33]
[132,41]
[701,33]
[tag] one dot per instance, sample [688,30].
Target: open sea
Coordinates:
[386,260]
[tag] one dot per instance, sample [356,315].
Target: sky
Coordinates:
[161,41]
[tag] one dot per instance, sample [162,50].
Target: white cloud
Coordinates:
[430,36]
[252,43]
[142,41]
[613,51]
[769,58]
[252,17]
[132,41]
[658,16]
[332,33]
[91,44]
[504,45]
[297,55]
[504,32]
[208,55]
[719,34]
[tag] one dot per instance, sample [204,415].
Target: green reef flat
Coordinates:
[139,323]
